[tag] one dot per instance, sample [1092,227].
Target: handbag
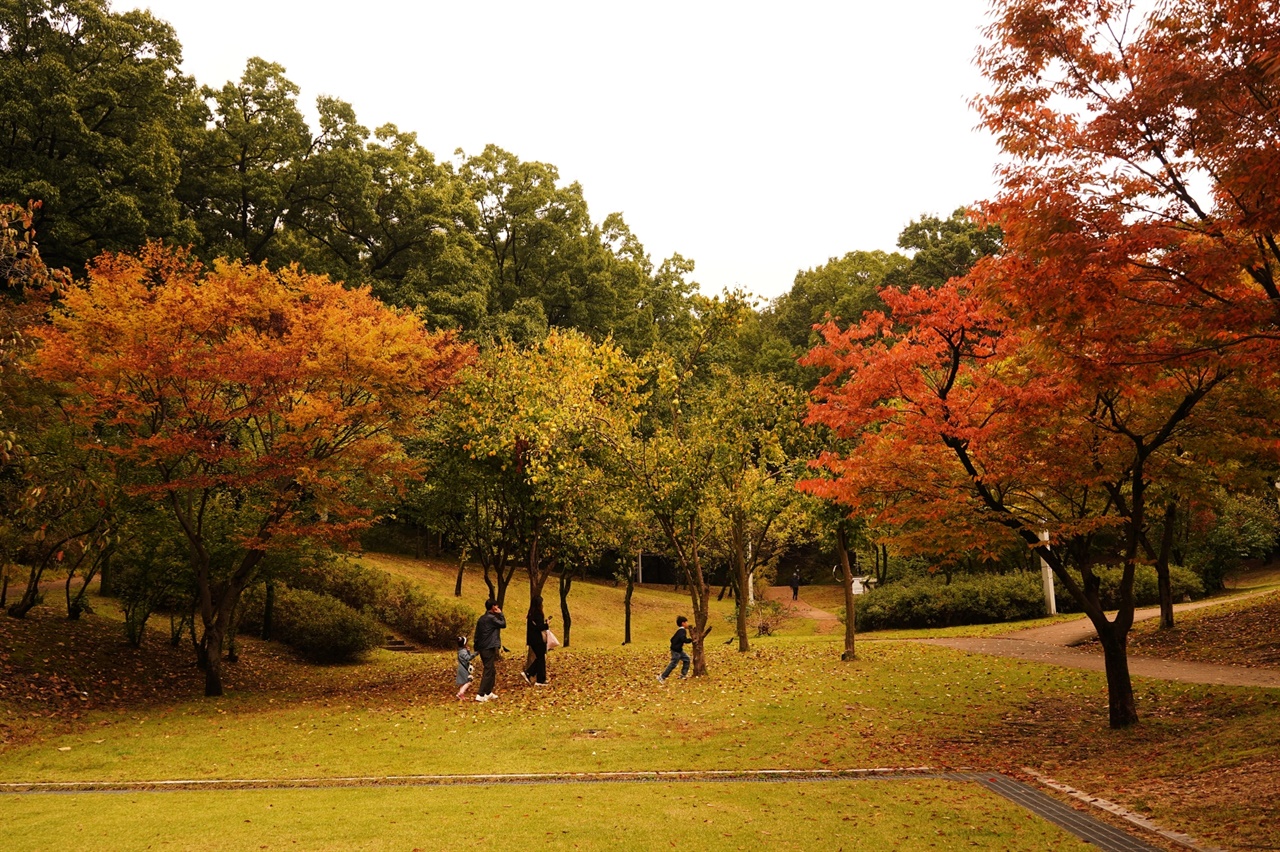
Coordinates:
[550,638]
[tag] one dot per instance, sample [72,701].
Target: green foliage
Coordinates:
[153,570]
[989,598]
[765,617]
[320,627]
[1247,526]
[398,603]
[93,116]
[1146,590]
[421,616]
[981,599]
[942,249]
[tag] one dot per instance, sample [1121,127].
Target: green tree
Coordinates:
[245,172]
[516,472]
[942,249]
[756,424]
[549,266]
[94,113]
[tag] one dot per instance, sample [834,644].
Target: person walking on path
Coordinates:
[535,637]
[795,586]
[465,658]
[678,640]
[488,643]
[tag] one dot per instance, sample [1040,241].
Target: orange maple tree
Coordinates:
[267,403]
[1115,348]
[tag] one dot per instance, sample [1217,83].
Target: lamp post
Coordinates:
[1046,577]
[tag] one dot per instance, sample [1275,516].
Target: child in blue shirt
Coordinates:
[678,655]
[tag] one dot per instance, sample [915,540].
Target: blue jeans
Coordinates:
[678,657]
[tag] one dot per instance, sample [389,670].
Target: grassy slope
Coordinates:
[595,606]
[1203,760]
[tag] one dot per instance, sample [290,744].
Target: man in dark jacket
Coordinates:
[488,643]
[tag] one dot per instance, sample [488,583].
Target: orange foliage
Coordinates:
[282,384]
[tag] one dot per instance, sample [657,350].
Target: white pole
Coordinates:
[1046,577]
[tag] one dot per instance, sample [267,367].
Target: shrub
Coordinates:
[318,626]
[765,616]
[422,616]
[923,602]
[1146,589]
[351,582]
[415,614]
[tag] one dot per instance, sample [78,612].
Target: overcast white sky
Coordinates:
[758,139]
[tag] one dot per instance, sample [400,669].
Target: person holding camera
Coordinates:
[488,643]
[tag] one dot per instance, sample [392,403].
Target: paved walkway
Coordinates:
[1054,645]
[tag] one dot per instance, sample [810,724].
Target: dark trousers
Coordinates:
[537,670]
[678,657]
[489,656]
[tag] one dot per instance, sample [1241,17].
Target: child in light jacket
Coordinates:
[465,667]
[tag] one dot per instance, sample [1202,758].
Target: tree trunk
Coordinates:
[268,609]
[626,606]
[1162,567]
[566,583]
[106,578]
[740,579]
[457,584]
[850,611]
[1123,709]
[31,596]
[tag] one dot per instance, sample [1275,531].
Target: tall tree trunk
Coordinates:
[850,611]
[566,583]
[626,606]
[740,578]
[1162,567]
[268,609]
[457,584]
[700,595]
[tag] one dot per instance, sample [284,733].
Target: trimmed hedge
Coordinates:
[319,627]
[925,602]
[1146,589]
[415,614]
[992,598]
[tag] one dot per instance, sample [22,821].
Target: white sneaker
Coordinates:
[525,676]
[537,683]
[661,679]
[482,698]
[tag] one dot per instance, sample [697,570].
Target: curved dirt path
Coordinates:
[827,622]
[1056,644]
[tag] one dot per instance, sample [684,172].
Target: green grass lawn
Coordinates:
[1202,760]
[832,815]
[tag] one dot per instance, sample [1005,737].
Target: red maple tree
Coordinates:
[1126,327]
